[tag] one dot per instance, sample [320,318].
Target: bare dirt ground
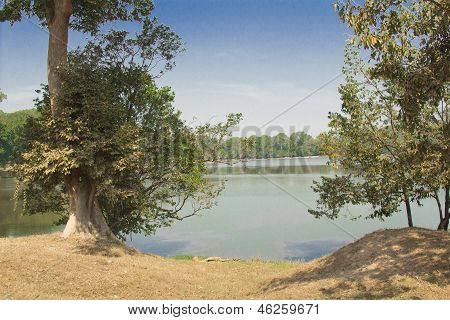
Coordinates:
[386,264]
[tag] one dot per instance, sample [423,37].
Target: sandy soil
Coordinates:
[387,264]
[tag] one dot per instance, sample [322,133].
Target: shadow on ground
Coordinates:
[104,247]
[377,266]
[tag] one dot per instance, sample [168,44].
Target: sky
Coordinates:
[256,57]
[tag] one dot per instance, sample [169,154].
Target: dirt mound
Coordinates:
[383,253]
[395,263]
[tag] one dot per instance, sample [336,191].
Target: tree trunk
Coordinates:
[447,207]
[441,215]
[408,212]
[443,225]
[58,17]
[438,202]
[85,216]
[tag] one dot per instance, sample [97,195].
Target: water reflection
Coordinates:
[309,250]
[240,170]
[159,245]
[13,223]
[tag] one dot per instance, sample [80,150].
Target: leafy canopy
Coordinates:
[87,15]
[408,42]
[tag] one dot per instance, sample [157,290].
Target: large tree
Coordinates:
[109,149]
[84,16]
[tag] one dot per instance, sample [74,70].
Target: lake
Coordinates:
[262,213]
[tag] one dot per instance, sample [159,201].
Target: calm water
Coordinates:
[262,213]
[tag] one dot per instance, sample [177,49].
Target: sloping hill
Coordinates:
[398,264]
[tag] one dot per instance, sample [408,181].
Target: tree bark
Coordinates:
[85,215]
[58,17]
[408,212]
[443,225]
[438,202]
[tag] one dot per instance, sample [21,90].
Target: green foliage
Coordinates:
[408,43]
[87,15]
[116,127]
[11,125]
[298,144]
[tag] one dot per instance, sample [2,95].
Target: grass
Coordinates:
[387,264]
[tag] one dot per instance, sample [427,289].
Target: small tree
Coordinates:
[408,43]
[384,162]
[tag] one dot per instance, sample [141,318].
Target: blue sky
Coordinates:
[257,57]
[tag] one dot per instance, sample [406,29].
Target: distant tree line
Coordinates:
[298,144]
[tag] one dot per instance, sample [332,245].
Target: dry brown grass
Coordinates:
[386,264]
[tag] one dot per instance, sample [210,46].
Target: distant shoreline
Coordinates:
[234,160]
